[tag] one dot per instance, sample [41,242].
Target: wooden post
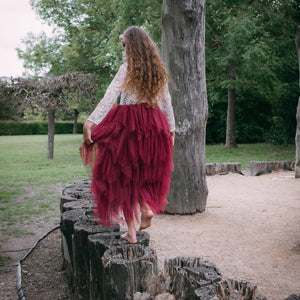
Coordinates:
[98,244]
[81,256]
[127,269]
[188,274]
[183,52]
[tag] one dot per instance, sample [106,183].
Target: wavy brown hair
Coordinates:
[146,75]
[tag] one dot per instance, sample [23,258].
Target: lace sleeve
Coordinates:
[110,97]
[165,105]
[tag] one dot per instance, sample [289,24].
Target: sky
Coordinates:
[16,20]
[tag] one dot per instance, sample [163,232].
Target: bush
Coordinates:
[36,127]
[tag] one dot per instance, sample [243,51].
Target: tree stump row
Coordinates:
[101,266]
[218,168]
[262,167]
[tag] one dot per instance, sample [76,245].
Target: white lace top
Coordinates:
[116,88]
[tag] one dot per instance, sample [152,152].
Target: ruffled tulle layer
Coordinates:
[131,162]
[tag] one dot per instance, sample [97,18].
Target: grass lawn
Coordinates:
[30,184]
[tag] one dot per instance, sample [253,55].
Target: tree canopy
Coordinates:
[249,47]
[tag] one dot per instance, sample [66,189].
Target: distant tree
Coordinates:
[245,55]
[87,37]
[50,94]
[9,105]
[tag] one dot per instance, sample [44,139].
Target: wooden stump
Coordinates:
[293,297]
[64,200]
[262,167]
[229,289]
[78,204]
[127,269]
[81,257]
[68,220]
[188,274]
[98,244]
[80,189]
[217,168]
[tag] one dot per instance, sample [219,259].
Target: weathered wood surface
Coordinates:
[183,52]
[97,245]
[229,289]
[217,168]
[297,138]
[293,297]
[127,269]
[262,167]
[188,274]
[79,190]
[77,204]
[68,220]
[81,255]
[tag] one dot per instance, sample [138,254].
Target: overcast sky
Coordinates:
[16,20]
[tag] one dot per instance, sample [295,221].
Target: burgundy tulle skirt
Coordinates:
[131,162]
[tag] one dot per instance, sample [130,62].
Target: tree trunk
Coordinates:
[51,130]
[76,113]
[230,128]
[297,139]
[183,51]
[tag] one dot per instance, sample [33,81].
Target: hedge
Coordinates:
[36,127]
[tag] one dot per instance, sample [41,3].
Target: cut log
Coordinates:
[261,167]
[68,220]
[98,244]
[65,199]
[188,274]
[81,257]
[127,270]
[78,204]
[229,289]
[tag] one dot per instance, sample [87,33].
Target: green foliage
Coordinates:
[90,42]
[250,46]
[36,127]
[42,54]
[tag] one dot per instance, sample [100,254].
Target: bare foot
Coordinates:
[146,218]
[126,236]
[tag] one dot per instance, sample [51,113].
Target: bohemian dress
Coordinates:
[131,157]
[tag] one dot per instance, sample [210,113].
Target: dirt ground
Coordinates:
[250,230]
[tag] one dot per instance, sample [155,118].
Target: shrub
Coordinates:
[36,127]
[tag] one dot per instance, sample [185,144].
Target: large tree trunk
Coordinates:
[51,129]
[183,51]
[76,113]
[297,140]
[230,127]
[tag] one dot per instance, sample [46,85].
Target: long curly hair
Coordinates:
[146,75]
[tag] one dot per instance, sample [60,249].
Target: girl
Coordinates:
[130,146]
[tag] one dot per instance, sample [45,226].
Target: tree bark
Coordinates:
[51,130]
[76,113]
[230,127]
[297,139]
[183,52]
